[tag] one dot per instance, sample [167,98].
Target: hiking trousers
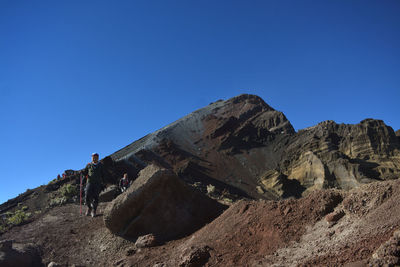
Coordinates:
[92,192]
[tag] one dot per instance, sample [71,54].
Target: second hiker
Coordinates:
[124,183]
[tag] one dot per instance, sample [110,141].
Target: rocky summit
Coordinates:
[245,146]
[231,184]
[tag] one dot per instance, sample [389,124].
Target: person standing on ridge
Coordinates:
[94,173]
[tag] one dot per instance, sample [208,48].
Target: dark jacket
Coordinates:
[94,173]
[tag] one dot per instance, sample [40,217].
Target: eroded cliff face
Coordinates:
[245,147]
[339,155]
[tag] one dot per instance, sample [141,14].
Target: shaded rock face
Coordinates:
[245,122]
[244,146]
[280,185]
[109,194]
[159,203]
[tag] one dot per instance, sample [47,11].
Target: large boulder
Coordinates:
[159,203]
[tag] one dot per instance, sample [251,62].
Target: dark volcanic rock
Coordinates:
[158,202]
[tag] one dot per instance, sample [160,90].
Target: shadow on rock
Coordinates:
[159,203]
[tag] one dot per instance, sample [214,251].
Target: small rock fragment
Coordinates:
[130,251]
[146,241]
[195,256]
[335,216]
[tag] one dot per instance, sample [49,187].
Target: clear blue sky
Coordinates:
[84,76]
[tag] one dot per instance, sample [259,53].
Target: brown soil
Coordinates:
[66,237]
[250,233]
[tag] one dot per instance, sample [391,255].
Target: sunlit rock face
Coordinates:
[342,155]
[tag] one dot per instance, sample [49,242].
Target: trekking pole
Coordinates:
[80,196]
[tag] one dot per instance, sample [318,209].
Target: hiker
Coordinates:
[94,173]
[124,183]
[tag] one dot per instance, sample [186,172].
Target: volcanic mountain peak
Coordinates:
[186,131]
[246,144]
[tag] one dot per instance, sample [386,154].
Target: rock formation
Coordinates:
[340,155]
[159,203]
[245,146]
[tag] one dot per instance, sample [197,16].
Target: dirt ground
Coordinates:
[293,232]
[66,237]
